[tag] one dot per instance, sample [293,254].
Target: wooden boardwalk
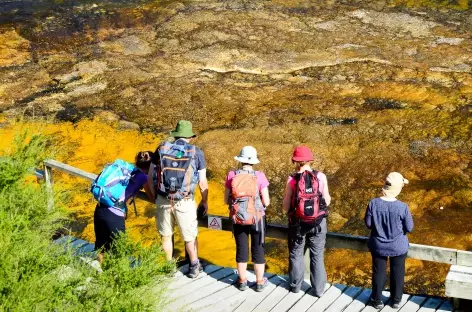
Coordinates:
[213,290]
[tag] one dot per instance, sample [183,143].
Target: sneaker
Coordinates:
[294,290]
[194,270]
[395,305]
[376,304]
[260,287]
[241,285]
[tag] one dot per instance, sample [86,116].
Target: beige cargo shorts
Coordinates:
[184,212]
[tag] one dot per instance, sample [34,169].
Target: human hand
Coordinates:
[202,210]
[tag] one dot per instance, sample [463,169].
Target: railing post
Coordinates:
[48,181]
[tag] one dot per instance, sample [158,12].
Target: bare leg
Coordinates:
[259,268]
[191,248]
[187,258]
[167,246]
[242,266]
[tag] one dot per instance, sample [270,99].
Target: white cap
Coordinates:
[247,155]
[394,184]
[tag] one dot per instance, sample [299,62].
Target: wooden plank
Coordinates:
[181,271]
[200,283]
[464,258]
[182,280]
[38,173]
[291,298]
[461,269]
[432,253]
[388,307]
[446,306]
[413,304]
[217,298]
[273,298]
[231,297]
[65,239]
[49,191]
[333,293]
[69,169]
[431,305]
[78,243]
[307,300]
[187,302]
[84,250]
[359,243]
[370,308]
[345,299]
[359,302]
[346,241]
[459,282]
[256,298]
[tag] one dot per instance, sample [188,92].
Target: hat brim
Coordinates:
[177,134]
[247,161]
[302,159]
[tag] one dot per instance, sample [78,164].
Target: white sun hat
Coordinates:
[394,184]
[247,155]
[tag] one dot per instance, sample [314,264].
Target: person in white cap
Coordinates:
[247,195]
[389,221]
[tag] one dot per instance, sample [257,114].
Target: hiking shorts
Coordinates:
[184,212]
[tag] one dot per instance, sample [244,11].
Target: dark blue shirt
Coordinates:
[135,184]
[389,222]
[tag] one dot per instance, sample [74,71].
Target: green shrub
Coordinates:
[37,275]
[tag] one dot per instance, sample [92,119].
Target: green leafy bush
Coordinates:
[38,275]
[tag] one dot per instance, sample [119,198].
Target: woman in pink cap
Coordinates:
[305,202]
[389,221]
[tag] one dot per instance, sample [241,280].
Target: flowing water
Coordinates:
[370,86]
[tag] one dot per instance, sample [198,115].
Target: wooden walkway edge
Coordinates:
[214,290]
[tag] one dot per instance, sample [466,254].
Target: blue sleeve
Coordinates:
[135,184]
[368,216]
[407,221]
[201,164]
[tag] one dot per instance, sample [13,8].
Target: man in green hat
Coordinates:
[178,168]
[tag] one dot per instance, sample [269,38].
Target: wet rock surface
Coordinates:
[371,86]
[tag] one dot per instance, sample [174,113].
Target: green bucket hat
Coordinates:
[183,130]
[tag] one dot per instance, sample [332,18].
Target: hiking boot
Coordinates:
[194,270]
[241,285]
[260,287]
[376,304]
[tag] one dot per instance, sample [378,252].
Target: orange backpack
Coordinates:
[246,207]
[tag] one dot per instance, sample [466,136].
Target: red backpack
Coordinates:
[246,206]
[308,206]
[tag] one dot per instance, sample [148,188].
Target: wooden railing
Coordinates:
[334,240]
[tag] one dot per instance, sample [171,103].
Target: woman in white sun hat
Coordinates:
[389,221]
[247,195]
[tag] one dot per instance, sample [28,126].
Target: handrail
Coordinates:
[333,240]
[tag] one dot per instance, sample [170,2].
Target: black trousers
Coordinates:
[241,235]
[379,276]
[107,226]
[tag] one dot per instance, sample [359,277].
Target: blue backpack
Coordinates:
[110,185]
